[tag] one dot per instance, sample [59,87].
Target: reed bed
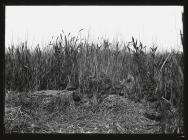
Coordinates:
[72,58]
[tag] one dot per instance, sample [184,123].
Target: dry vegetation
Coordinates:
[125,90]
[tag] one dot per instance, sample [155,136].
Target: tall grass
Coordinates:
[72,59]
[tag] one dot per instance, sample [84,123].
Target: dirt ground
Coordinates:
[56,112]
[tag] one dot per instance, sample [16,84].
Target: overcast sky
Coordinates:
[151,24]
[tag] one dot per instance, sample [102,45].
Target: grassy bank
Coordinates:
[72,60]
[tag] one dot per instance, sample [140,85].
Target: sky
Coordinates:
[158,25]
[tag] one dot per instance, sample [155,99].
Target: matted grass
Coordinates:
[114,115]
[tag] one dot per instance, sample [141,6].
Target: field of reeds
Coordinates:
[119,85]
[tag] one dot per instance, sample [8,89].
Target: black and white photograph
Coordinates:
[94,69]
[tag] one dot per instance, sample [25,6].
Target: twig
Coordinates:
[23,114]
[117,124]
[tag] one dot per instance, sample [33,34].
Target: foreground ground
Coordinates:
[56,112]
